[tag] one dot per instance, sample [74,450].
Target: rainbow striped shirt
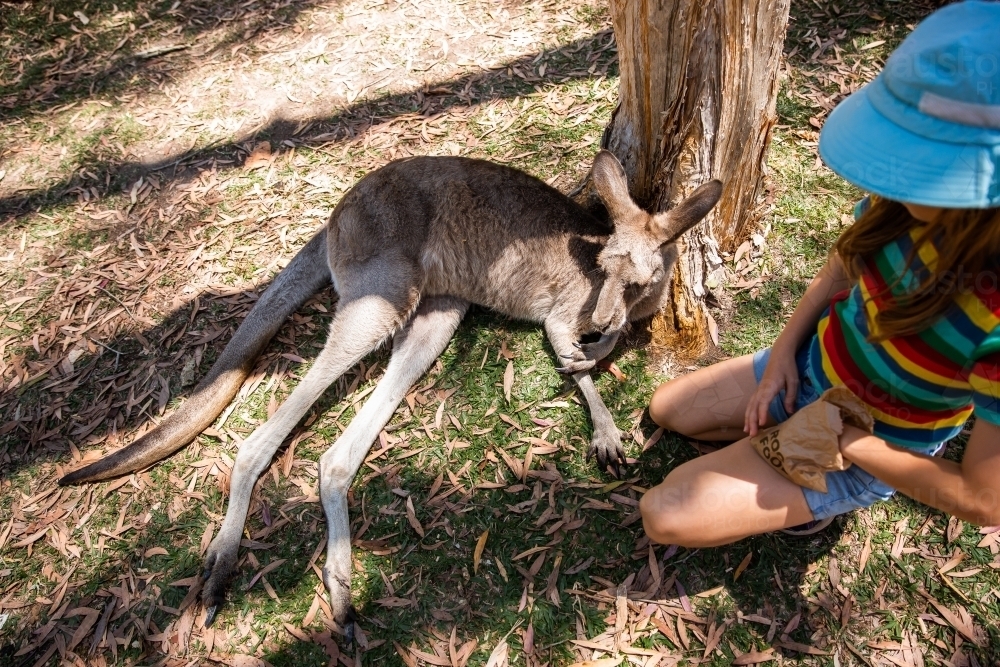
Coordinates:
[921,388]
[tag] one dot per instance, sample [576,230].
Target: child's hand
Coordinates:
[781,373]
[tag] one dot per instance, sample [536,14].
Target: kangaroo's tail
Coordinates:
[305,275]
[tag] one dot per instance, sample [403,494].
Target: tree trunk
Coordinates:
[699,80]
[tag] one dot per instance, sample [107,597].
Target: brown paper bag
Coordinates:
[807,446]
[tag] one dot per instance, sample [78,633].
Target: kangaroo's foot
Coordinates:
[360,324]
[415,348]
[220,565]
[337,579]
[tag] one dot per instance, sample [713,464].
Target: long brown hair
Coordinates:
[967,242]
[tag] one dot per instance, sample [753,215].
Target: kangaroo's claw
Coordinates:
[350,623]
[210,615]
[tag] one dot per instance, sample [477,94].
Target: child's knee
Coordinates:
[666,407]
[664,518]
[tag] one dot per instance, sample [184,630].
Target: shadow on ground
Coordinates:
[66,50]
[103,177]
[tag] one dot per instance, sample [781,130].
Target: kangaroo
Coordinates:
[408,249]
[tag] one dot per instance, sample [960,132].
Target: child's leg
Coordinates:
[708,404]
[726,495]
[720,498]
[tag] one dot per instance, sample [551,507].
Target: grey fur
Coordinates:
[409,248]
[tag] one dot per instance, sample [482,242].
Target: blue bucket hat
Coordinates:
[926,130]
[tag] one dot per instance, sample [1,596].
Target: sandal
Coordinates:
[808,528]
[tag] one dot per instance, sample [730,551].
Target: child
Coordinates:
[905,314]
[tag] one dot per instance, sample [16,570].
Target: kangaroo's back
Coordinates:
[476,230]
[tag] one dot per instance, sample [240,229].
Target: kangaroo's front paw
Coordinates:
[576,363]
[599,348]
[219,568]
[607,448]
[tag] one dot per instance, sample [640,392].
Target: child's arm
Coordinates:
[970,490]
[781,372]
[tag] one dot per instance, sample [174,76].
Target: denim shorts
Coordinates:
[846,489]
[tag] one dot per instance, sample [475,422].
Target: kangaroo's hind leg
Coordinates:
[414,350]
[362,322]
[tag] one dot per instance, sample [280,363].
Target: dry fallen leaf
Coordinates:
[713,328]
[551,583]
[790,627]
[528,639]
[508,380]
[682,633]
[742,250]
[952,562]
[90,618]
[411,516]
[603,662]
[666,631]
[866,551]
[260,157]
[754,657]
[955,527]
[742,566]
[498,658]
[405,655]
[395,602]
[713,637]
[621,609]
[653,439]
[612,368]
[845,612]
[530,552]
[438,416]
[478,553]
[963,626]
[802,648]
[245,661]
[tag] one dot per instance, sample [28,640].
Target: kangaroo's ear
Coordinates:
[612,186]
[670,225]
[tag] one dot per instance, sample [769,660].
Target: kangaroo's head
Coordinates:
[640,253]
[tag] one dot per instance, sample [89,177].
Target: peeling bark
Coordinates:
[697,101]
